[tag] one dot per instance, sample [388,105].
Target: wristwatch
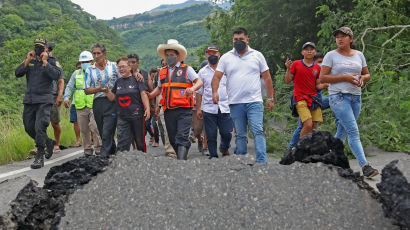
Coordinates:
[270,99]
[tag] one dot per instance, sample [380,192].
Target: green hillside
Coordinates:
[60,21]
[142,33]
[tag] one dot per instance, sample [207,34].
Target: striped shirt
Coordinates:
[94,77]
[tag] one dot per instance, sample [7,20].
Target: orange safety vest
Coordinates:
[173,88]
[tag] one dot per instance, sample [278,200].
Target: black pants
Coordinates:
[126,129]
[36,118]
[178,122]
[148,129]
[105,116]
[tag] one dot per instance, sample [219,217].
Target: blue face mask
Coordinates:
[84,66]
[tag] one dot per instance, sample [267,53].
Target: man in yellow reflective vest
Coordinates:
[83,104]
[177,84]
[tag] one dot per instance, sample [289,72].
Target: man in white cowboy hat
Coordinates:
[83,104]
[177,84]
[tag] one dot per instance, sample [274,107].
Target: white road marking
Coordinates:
[4,175]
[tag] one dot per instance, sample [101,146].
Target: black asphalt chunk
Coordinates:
[320,146]
[143,191]
[42,208]
[395,195]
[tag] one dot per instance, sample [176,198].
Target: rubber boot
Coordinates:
[182,152]
[50,148]
[39,160]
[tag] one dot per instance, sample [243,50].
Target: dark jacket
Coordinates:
[39,80]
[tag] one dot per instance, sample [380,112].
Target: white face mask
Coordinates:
[320,64]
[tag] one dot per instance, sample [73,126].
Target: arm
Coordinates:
[145,101]
[269,89]
[365,76]
[150,84]
[197,84]
[69,89]
[21,69]
[198,106]
[59,99]
[325,77]
[155,92]
[320,86]
[94,90]
[51,69]
[215,85]
[110,95]
[288,76]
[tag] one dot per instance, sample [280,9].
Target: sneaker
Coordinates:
[369,171]
[49,148]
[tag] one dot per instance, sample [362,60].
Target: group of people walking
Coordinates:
[120,97]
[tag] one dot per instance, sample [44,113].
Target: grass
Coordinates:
[15,143]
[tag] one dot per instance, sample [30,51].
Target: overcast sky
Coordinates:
[104,9]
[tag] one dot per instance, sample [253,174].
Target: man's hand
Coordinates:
[67,104]
[288,63]
[31,55]
[269,105]
[189,92]
[199,114]
[147,114]
[44,57]
[59,100]
[138,77]
[215,97]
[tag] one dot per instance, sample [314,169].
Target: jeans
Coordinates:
[223,122]
[253,113]
[346,108]
[296,133]
[105,116]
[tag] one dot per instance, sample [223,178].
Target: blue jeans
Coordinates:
[224,123]
[296,133]
[346,108]
[253,113]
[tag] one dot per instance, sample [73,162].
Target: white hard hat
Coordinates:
[85,56]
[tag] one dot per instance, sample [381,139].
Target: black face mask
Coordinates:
[38,50]
[171,60]
[239,46]
[213,59]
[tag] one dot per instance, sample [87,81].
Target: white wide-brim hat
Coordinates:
[172,44]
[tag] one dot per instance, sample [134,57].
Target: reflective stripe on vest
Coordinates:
[173,88]
[81,99]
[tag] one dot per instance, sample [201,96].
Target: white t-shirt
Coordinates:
[243,74]
[342,65]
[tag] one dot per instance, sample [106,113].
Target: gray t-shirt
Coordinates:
[342,65]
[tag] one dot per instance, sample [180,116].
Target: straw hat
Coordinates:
[172,44]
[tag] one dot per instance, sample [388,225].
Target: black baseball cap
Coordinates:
[309,44]
[212,48]
[40,40]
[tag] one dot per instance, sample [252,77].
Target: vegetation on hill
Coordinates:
[71,29]
[277,27]
[62,22]
[142,33]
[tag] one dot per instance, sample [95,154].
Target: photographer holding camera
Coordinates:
[40,70]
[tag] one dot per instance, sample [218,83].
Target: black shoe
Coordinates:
[369,171]
[49,147]
[210,157]
[39,160]
[182,153]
